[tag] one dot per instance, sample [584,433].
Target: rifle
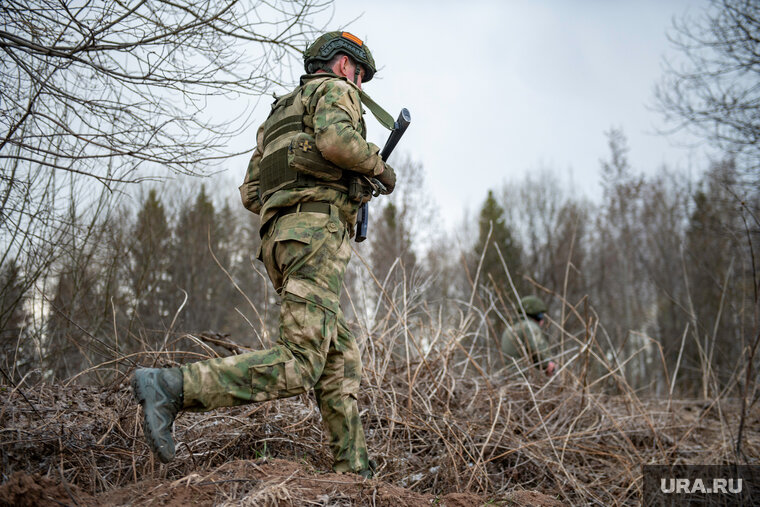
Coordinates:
[399,127]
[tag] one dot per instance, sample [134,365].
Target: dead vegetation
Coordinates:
[447,419]
[433,430]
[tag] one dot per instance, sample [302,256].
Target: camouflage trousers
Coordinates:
[305,255]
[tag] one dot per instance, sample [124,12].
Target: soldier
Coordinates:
[526,334]
[310,171]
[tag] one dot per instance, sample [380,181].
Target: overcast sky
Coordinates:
[501,89]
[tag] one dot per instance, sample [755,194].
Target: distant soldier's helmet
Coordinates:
[533,305]
[330,44]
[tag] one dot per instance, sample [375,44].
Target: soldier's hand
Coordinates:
[387,178]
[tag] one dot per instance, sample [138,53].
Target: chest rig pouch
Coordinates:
[290,158]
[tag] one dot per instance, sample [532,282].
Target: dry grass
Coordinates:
[441,413]
[494,433]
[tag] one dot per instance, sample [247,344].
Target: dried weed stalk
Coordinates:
[441,415]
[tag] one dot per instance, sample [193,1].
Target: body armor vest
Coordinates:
[290,158]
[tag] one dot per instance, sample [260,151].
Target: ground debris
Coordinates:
[457,446]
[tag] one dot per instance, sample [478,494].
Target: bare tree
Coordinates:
[133,80]
[120,91]
[551,222]
[115,92]
[83,288]
[716,93]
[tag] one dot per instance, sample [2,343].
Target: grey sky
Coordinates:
[500,89]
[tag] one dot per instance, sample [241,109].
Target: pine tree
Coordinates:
[391,242]
[494,236]
[148,263]
[15,351]
[193,269]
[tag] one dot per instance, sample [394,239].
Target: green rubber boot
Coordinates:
[159,391]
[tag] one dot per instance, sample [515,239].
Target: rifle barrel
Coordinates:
[403,121]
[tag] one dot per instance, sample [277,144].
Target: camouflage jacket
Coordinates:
[528,334]
[334,105]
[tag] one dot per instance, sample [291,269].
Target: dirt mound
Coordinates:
[23,490]
[260,482]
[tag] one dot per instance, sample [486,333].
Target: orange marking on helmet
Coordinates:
[352,38]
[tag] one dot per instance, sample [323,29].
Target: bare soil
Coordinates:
[259,482]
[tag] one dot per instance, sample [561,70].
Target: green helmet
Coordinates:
[533,305]
[330,44]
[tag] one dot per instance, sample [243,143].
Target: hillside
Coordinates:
[455,442]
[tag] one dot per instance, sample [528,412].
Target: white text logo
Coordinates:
[698,486]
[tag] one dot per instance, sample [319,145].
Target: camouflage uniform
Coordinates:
[305,255]
[526,334]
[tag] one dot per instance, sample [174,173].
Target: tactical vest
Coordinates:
[290,158]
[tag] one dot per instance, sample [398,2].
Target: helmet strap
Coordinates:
[357,69]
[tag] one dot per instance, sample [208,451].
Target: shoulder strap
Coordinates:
[383,116]
[385,119]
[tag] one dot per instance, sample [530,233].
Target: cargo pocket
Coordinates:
[291,247]
[300,234]
[297,247]
[352,370]
[280,376]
